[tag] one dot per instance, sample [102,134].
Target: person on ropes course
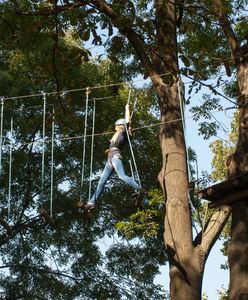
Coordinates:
[114,162]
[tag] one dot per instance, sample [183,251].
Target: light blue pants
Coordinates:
[115,164]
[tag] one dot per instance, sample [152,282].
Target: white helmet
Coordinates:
[120,122]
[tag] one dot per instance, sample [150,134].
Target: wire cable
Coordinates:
[69,138]
[43,146]
[92,148]
[179,83]
[78,89]
[1,134]
[10,166]
[84,143]
[134,106]
[131,150]
[131,168]
[52,166]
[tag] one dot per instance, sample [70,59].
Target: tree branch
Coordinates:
[43,270]
[52,10]
[135,40]
[13,230]
[212,230]
[9,25]
[226,26]
[180,15]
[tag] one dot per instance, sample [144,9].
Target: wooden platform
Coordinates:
[226,192]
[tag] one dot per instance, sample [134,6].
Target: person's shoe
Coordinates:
[86,209]
[89,206]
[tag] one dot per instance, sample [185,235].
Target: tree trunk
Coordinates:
[238,164]
[185,270]
[238,251]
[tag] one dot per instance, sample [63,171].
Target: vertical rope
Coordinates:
[184,127]
[185,137]
[10,165]
[92,145]
[129,141]
[129,95]
[131,168]
[134,106]
[134,162]
[1,135]
[84,145]
[43,145]
[52,165]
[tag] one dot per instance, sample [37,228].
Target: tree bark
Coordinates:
[238,248]
[238,251]
[184,269]
[237,164]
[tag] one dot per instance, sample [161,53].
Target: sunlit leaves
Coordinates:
[141,223]
[207,129]
[221,150]
[144,223]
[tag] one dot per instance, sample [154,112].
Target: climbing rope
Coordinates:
[10,165]
[129,95]
[179,84]
[131,168]
[52,166]
[130,145]
[92,146]
[134,106]
[131,150]
[180,93]
[84,144]
[43,145]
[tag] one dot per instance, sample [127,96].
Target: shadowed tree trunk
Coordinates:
[238,248]
[237,164]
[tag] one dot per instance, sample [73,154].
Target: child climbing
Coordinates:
[114,162]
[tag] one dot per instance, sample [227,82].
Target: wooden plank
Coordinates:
[224,189]
[229,199]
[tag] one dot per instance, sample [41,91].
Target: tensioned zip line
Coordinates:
[111,132]
[79,89]
[63,92]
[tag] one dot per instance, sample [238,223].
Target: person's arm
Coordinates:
[127,114]
[128,118]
